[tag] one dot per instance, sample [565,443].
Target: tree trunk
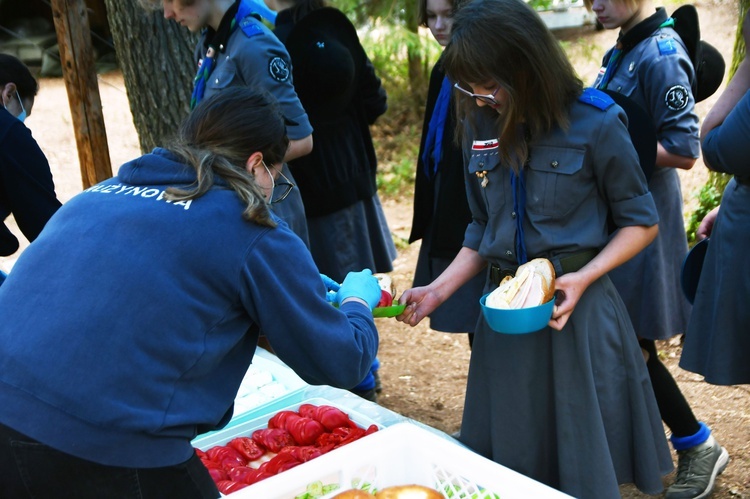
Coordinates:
[156,58]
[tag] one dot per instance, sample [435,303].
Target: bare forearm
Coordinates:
[466,265]
[299,148]
[667,159]
[628,242]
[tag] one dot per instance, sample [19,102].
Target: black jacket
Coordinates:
[338,87]
[448,214]
[26,187]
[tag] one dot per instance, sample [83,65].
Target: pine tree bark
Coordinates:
[156,58]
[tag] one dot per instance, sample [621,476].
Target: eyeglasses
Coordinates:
[285,186]
[487,99]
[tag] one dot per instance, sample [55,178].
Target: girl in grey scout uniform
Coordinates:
[717,343]
[546,161]
[650,65]
[236,48]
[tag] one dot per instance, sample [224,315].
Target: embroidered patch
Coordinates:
[667,46]
[677,98]
[483,145]
[279,69]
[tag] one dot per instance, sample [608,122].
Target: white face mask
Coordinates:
[22,115]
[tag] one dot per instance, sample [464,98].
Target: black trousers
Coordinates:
[31,469]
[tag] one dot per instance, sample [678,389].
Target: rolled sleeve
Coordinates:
[635,211]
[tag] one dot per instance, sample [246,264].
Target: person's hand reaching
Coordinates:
[332,288]
[362,286]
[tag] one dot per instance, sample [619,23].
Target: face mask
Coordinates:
[21,116]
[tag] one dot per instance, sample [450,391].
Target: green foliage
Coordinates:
[397,133]
[709,197]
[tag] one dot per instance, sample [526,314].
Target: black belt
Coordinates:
[565,265]
[742,180]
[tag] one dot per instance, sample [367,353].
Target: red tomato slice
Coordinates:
[247,447]
[273,439]
[228,486]
[305,430]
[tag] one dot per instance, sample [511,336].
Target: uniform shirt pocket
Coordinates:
[555,184]
[488,178]
[224,76]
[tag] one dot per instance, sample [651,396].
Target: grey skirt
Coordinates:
[352,239]
[573,409]
[717,341]
[649,283]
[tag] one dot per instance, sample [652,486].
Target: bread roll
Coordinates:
[409,492]
[354,494]
[533,285]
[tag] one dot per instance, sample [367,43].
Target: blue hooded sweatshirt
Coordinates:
[129,323]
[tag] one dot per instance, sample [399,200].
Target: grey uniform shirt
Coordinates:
[573,179]
[657,74]
[254,57]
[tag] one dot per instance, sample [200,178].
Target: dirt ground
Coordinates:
[423,371]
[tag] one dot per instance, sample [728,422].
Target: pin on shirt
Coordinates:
[483,176]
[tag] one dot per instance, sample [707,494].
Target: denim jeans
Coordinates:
[31,469]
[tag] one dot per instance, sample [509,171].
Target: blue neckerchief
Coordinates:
[518,186]
[612,65]
[244,9]
[433,145]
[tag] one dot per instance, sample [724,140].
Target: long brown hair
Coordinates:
[506,42]
[219,136]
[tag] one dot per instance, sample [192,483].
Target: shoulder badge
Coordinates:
[677,97]
[279,69]
[667,45]
[250,28]
[596,98]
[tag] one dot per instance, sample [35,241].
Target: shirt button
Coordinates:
[554,164]
[619,89]
[481,164]
[513,215]
[216,81]
[509,253]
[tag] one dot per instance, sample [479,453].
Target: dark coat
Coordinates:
[448,214]
[26,187]
[338,87]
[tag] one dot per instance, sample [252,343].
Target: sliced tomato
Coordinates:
[228,486]
[218,474]
[305,430]
[279,420]
[247,447]
[303,453]
[273,439]
[280,462]
[227,456]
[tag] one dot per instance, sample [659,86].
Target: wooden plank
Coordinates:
[79,73]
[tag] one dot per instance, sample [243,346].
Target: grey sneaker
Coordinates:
[697,468]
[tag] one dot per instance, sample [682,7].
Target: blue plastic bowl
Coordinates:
[519,320]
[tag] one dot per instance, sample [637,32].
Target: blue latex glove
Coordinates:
[362,285]
[331,288]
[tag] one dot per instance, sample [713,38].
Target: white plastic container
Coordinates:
[269,385]
[403,454]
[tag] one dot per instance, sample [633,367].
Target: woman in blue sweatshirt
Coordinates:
[129,323]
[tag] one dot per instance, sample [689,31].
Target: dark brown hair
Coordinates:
[219,136]
[504,42]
